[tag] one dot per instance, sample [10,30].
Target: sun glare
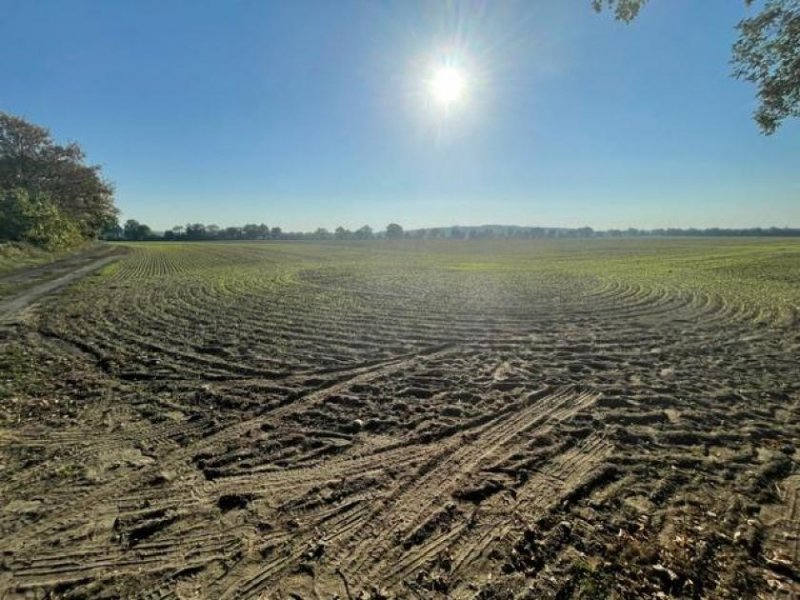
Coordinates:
[447,86]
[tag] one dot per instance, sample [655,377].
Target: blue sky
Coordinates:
[303,114]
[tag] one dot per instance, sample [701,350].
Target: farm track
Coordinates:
[32,285]
[257,421]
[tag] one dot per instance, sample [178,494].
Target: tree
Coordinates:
[341,233]
[276,233]
[767,54]
[232,233]
[31,160]
[321,234]
[363,233]
[394,232]
[136,231]
[195,231]
[113,232]
[250,231]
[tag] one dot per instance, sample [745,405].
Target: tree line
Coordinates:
[49,196]
[135,231]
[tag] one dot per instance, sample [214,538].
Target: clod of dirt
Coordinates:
[228,502]
[316,552]
[149,528]
[161,478]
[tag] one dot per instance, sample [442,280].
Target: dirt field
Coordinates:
[483,420]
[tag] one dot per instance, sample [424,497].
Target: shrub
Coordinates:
[35,219]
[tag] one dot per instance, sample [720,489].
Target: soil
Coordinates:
[309,421]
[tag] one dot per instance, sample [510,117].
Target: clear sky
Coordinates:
[304,113]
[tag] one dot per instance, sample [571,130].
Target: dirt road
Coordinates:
[28,286]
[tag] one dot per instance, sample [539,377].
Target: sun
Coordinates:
[447,86]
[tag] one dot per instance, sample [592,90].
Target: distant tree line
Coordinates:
[494,232]
[132,230]
[135,231]
[49,197]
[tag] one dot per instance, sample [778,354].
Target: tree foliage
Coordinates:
[36,220]
[198,231]
[767,54]
[136,231]
[51,185]
[363,233]
[394,231]
[624,10]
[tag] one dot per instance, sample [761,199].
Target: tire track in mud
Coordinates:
[33,568]
[345,528]
[397,534]
[549,485]
[454,463]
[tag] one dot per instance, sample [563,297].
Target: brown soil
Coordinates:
[603,443]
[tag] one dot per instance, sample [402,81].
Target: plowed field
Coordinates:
[562,419]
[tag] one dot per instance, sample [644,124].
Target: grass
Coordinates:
[15,256]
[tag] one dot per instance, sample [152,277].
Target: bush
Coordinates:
[36,220]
